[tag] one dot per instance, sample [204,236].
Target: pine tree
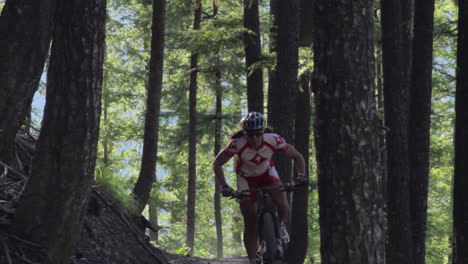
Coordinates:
[54,203]
[460,185]
[26,30]
[147,176]
[397,16]
[253,52]
[351,219]
[191,191]
[419,123]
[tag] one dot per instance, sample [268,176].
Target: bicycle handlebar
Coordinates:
[283,188]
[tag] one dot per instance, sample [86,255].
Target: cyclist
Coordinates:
[254,147]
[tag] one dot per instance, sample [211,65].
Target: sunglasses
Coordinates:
[258,134]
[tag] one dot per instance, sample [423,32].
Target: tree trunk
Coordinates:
[306,20]
[272,78]
[147,176]
[105,137]
[420,123]
[351,218]
[217,149]
[382,145]
[396,30]
[282,95]
[192,176]
[460,195]
[253,52]
[299,231]
[153,218]
[25,32]
[54,202]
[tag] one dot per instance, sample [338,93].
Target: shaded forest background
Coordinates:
[219,45]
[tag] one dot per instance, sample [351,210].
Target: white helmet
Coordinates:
[253,122]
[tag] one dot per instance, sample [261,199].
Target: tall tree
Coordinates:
[460,195]
[147,176]
[153,218]
[54,202]
[217,149]
[192,173]
[420,122]
[253,52]
[380,109]
[397,61]
[273,36]
[25,32]
[282,95]
[351,220]
[217,145]
[299,204]
[306,20]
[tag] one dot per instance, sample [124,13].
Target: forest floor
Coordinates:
[178,259]
[109,234]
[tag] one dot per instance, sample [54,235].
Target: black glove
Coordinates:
[301,179]
[227,191]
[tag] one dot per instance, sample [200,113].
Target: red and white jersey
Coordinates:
[253,162]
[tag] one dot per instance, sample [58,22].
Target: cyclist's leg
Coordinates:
[281,202]
[249,212]
[278,197]
[248,208]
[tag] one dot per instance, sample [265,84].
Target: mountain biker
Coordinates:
[254,147]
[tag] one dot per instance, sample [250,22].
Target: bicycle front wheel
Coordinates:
[271,255]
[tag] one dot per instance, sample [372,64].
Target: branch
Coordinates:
[7,252]
[13,171]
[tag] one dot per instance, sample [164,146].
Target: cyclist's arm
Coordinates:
[299,161]
[217,165]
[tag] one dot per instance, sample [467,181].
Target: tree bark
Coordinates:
[53,205]
[272,78]
[306,20]
[282,95]
[253,53]
[192,176]
[420,123]
[26,28]
[217,149]
[397,37]
[351,218]
[153,218]
[382,145]
[147,176]
[460,195]
[299,204]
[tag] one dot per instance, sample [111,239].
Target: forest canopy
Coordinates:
[224,78]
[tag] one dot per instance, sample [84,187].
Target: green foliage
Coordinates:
[220,47]
[439,227]
[124,98]
[117,187]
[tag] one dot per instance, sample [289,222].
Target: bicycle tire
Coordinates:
[269,236]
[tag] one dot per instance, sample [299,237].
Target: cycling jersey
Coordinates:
[254,162]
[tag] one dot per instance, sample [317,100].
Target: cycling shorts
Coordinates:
[270,177]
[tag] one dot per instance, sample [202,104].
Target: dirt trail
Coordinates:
[239,260]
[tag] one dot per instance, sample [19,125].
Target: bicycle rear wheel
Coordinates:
[271,255]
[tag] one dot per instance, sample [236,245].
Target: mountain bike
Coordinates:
[268,225]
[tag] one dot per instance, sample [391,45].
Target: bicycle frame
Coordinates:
[267,227]
[267,220]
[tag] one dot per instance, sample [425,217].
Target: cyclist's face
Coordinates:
[255,140]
